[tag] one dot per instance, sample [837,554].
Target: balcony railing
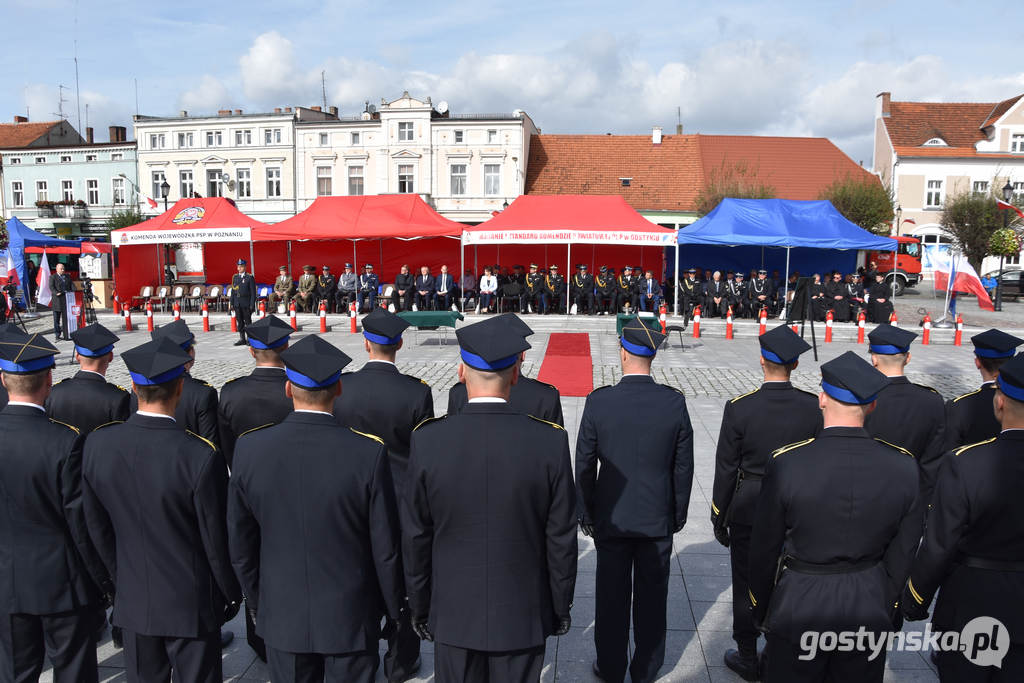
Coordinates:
[63,211]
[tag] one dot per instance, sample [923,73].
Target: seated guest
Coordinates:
[819,301]
[761,293]
[556,291]
[326,286]
[368,284]
[604,285]
[401,293]
[835,298]
[879,300]
[855,295]
[284,287]
[536,292]
[347,286]
[307,290]
[737,293]
[468,286]
[488,290]
[424,289]
[650,293]
[715,297]
[446,293]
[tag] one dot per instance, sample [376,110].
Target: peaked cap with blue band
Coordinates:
[782,345]
[312,363]
[381,326]
[995,344]
[269,333]
[886,340]
[23,354]
[156,362]
[492,344]
[639,339]
[177,332]
[93,341]
[851,379]
[1011,378]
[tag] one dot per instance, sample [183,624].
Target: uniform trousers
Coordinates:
[743,629]
[782,665]
[243,317]
[68,636]
[308,667]
[458,665]
[156,659]
[953,666]
[631,572]
[403,649]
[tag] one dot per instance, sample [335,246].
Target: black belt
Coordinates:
[831,568]
[750,475]
[992,565]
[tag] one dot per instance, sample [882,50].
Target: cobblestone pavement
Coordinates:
[709,370]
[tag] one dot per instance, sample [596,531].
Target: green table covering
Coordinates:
[649,319]
[431,319]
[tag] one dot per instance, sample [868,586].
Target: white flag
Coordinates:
[43,295]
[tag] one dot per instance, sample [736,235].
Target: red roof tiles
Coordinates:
[17,135]
[959,124]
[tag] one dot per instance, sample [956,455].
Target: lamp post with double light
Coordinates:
[1007,194]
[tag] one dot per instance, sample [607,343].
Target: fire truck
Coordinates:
[905,269]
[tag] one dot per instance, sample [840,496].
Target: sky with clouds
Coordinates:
[792,68]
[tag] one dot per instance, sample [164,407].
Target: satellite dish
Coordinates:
[442,107]
[372,109]
[518,113]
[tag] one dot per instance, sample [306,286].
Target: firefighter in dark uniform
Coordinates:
[488,524]
[88,400]
[527,396]
[973,547]
[155,498]
[50,568]
[753,426]
[624,286]
[909,415]
[970,418]
[634,490]
[536,292]
[380,400]
[836,526]
[736,290]
[691,293]
[605,285]
[242,299]
[555,285]
[583,291]
[326,288]
[313,528]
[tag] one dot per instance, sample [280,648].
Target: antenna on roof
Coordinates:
[78,92]
[323,88]
[61,101]
[679,120]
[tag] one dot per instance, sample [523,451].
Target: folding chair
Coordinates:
[160,298]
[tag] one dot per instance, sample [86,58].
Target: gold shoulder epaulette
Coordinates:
[429,419]
[785,449]
[550,385]
[368,436]
[901,449]
[61,381]
[202,438]
[107,424]
[931,389]
[121,388]
[969,393]
[540,419]
[962,449]
[749,393]
[232,380]
[423,381]
[65,424]
[269,424]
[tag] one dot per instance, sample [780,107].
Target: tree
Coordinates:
[3,236]
[123,219]
[738,180]
[865,202]
[971,218]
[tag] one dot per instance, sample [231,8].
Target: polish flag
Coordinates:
[149,200]
[910,220]
[11,272]
[43,295]
[965,278]
[1007,205]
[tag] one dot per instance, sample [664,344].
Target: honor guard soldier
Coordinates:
[314,533]
[155,498]
[753,426]
[326,288]
[242,299]
[973,548]
[970,418]
[197,409]
[307,289]
[368,284]
[528,395]
[284,288]
[488,525]
[837,523]
[87,400]
[634,491]
[909,415]
[380,400]
[48,584]
[556,291]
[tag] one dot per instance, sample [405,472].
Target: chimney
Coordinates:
[88,135]
[315,107]
[238,112]
[183,114]
[333,111]
[884,109]
[656,135]
[223,112]
[118,133]
[277,110]
[287,110]
[21,119]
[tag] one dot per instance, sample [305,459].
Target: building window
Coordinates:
[243,137]
[492,136]
[933,197]
[355,138]
[18,193]
[274,181]
[980,187]
[324,139]
[458,136]
[67,190]
[90,157]
[15,161]
[116,156]
[158,179]
[405,131]
[1017,142]
[458,179]
[186,140]
[272,136]
[492,179]
[117,185]
[214,185]
[214,138]
[156,141]
[41,191]
[92,191]
[243,180]
[355,181]
[1018,193]
[323,181]
[40,160]
[405,182]
[185,184]
[65,158]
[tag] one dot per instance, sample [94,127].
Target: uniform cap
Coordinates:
[604,269]
[382,326]
[348,265]
[23,354]
[269,333]
[692,270]
[555,267]
[93,341]
[283,268]
[762,272]
[851,379]
[327,267]
[583,266]
[534,265]
[240,262]
[492,344]
[177,332]
[625,268]
[995,344]
[515,324]
[368,266]
[887,340]
[782,345]
[639,339]
[156,362]
[739,276]
[1011,378]
[308,268]
[312,363]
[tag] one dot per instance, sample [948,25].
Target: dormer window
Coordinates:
[625,181]
[936,142]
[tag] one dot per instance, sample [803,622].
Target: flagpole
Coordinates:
[943,322]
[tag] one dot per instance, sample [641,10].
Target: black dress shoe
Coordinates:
[116,636]
[226,637]
[745,667]
[240,342]
[401,677]
[597,672]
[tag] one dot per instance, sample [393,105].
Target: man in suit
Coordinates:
[650,293]
[307,289]
[347,285]
[527,395]
[555,287]
[284,288]
[838,515]
[326,288]
[970,418]
[753,426]
[51,570]
[634,490]
[243,299]
[446,292]
[402,293]
[973,549]
[423,297]
[87,400]
[489,478]
[155,498]
[368,284]
[313,529]
[909,415]
[60,285]
[716,296]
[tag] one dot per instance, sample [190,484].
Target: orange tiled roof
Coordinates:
[16,135]
[959,124]
[670,176]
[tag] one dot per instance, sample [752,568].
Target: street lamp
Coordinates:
[1007,194]
[899,218]
[165,189]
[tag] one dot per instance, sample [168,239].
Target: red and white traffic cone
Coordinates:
[796,328]
[728,323]
[128,318]
[894,319]
[662,312]
[763,320]
[234,323]
[828,327]
[926,336]
[696,322]
[263,310]
[292,316]
[352,317]
[149,316]
[958,336]
[206,316]
[861,320]
[176,311]
[323,316]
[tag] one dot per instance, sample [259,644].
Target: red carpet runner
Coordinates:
[567,364]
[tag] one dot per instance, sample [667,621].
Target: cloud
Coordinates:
[208,96]
[270,73]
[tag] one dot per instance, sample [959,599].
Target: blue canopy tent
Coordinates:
[782,223]
[21,236]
